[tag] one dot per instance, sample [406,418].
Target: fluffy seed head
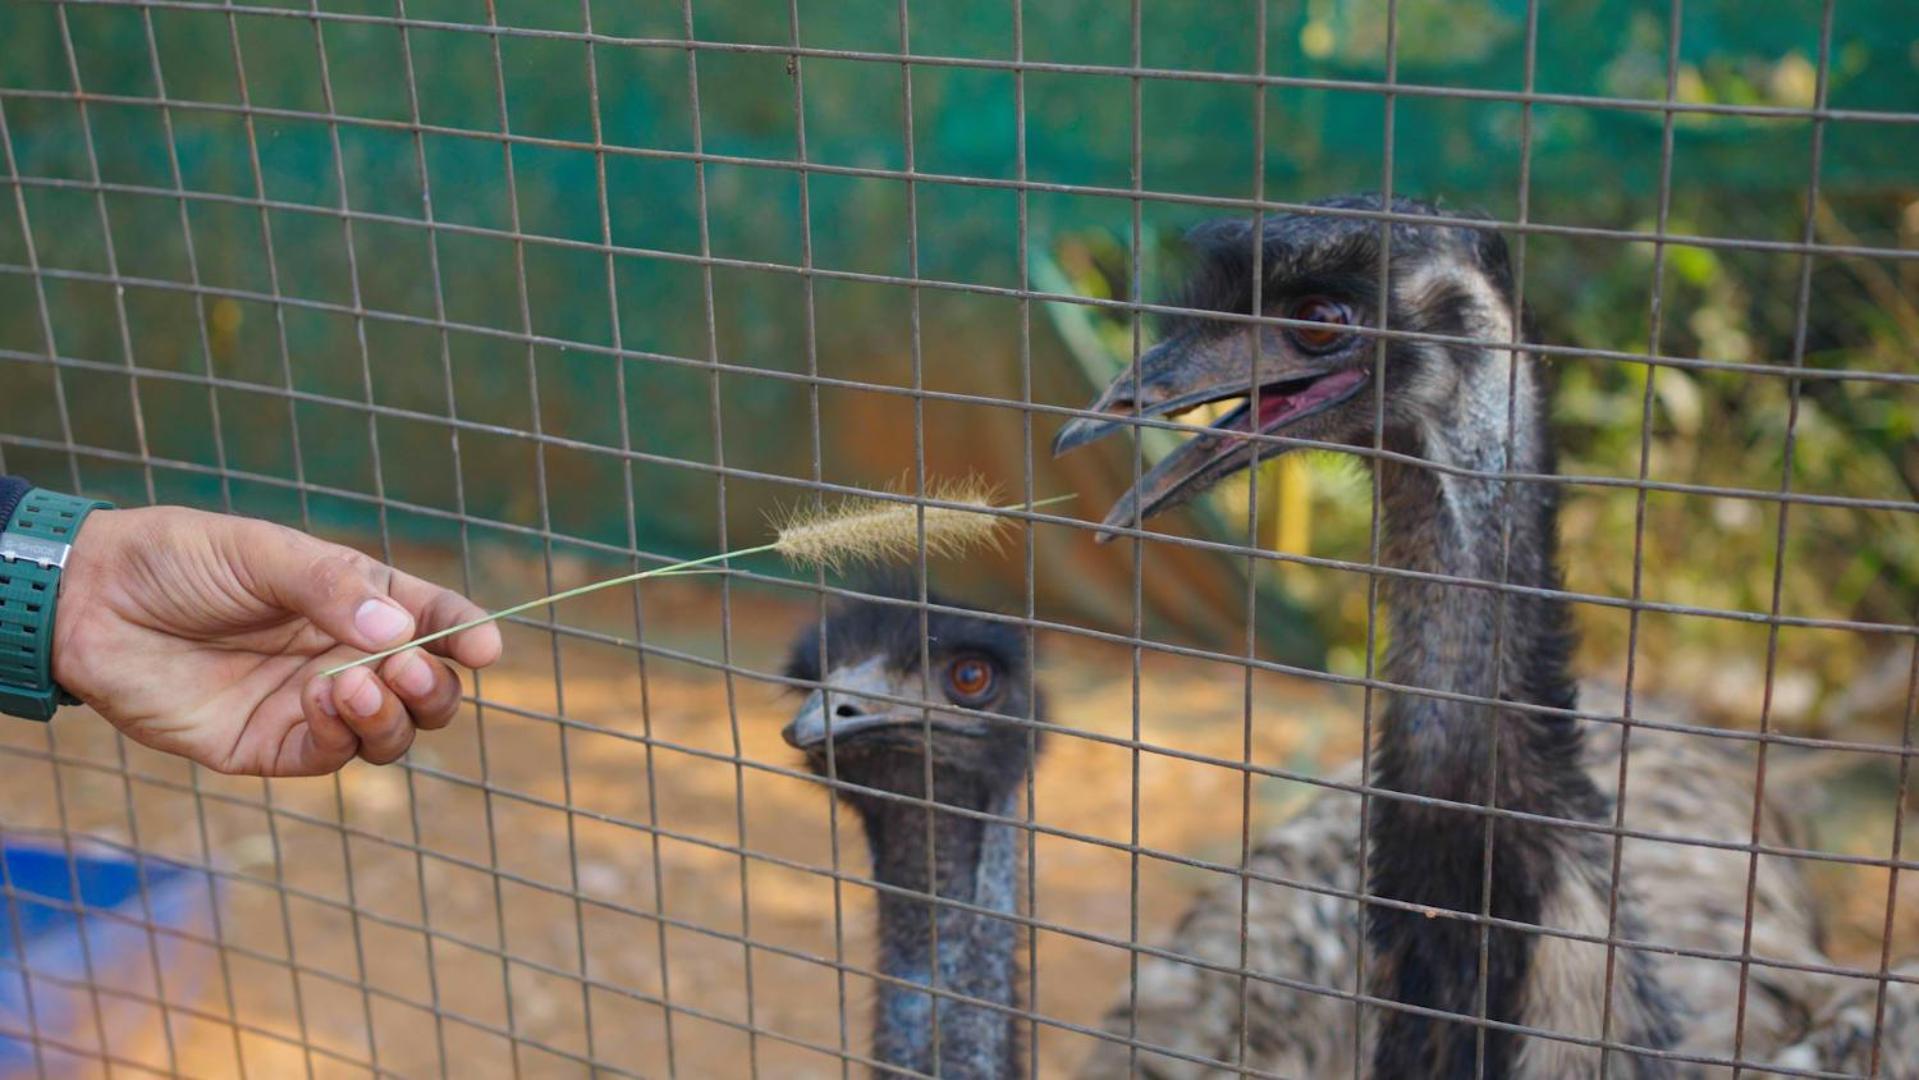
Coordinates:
[866,530]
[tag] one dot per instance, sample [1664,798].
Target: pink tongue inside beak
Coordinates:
[1275,406]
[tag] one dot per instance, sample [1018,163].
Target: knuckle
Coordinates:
[415,677]
[450,692]
[389,749]
[393,726]
[337,573]
[229,764]
[439,716]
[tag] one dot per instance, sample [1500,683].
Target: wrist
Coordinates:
[86,570]
[36,548]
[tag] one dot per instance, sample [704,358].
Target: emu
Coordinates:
[979,672]
[1453,415]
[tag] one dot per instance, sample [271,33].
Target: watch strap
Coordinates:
[34,545]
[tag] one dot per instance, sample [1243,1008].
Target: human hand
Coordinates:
[202,635]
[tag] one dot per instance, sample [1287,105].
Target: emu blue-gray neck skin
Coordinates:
[976,671]
[975,863]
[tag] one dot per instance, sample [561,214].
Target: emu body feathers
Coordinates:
[1686,897]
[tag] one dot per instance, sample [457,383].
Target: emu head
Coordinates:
[1314,374]
[877,704]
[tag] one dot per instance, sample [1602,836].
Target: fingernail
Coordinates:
[380,621]
[365,701]
[325,698]
[415,678]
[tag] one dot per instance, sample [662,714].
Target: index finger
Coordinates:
[435,609]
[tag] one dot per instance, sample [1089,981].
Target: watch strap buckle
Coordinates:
[16,547]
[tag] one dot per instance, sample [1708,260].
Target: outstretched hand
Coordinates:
[204,635]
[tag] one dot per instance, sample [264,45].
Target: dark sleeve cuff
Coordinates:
[12,490]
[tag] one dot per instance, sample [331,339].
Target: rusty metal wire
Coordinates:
[594,987]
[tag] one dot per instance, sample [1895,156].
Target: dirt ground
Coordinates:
[505,949]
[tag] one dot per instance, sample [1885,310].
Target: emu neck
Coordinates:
[1472,640]
[1492,645]
[962,951]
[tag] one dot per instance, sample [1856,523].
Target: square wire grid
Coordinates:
[574,978]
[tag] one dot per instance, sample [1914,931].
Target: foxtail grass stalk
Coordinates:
[853,531]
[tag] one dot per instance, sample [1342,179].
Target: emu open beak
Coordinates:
[1193,369]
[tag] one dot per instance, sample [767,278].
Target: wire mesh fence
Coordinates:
[521,296]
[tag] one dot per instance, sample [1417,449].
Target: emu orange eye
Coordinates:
[970,679]
[1330,315]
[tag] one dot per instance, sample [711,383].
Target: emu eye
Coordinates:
[971,680]
[1330,314]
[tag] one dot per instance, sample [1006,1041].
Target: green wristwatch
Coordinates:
[34,544]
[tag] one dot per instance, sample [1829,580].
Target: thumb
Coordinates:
[340,590]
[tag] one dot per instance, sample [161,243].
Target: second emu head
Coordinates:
[901,701]
[976,687]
